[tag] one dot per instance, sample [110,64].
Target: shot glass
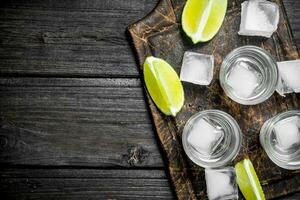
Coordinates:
[226,149]
[257,61]
[284,157]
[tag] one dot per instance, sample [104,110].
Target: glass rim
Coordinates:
[269,87]
[265,133]
[237,133]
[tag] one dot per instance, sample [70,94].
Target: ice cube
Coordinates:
[243,79]
[289,72]
[259,18]
[197,68]
[221,183]
[204,136]
[287,132]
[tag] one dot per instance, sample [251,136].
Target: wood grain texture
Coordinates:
[160,34]
[40,38]
[84,184]
[56,183]
[68,38]
[292,8]
[75,122]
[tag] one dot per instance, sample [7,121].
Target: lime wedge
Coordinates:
[201,19]
[163,85]
[248,181]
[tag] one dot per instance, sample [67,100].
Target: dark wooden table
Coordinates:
[73,119]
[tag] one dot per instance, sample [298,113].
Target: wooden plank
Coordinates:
[76,38]
[292,8]
[84,184]
[53,183]
[68,38]
[75,122]
[53,25]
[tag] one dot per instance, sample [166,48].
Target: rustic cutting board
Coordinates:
[160,34]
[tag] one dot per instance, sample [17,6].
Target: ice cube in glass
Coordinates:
[259,18]
[243,79]
[256,78]
[289,72]
[221,183]
[219,143]
[197,68]
[287,132]
[205,137]
[280,138]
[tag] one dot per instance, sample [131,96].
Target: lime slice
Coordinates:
[163,85]
[201,19]
[248,181]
